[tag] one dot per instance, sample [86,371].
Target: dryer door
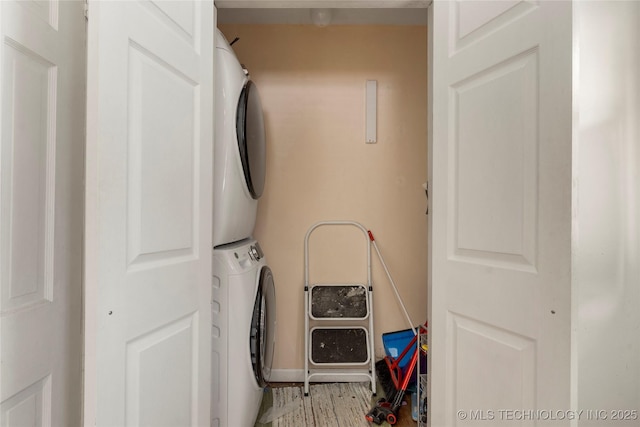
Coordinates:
[251,139]
[263,327]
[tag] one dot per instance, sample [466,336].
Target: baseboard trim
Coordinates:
[297,376]
[287,376]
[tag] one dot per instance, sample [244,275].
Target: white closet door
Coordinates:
[500,221]
[42,126]
[148,225]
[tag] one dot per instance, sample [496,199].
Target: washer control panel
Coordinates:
[255,252]
[247,256]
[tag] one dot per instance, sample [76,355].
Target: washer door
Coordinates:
[251,139]
[263,327]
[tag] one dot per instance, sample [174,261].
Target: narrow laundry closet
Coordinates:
[312,82]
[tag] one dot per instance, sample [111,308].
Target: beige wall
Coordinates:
[312,84]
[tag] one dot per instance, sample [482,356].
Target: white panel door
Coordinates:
[500,167]
[148,226]
[41,206]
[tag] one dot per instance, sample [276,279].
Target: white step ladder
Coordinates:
[338,338]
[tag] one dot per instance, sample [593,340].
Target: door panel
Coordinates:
[500,167]
[42,48]
[161,192]
[29,175]
[147,355]
[474,20]
[149,188]
[512,386]
[504,134]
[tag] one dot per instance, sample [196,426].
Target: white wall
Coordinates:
[607,209]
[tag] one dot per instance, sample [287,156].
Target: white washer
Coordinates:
[243,333]
[239,149]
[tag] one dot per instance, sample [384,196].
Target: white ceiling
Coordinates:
[339,16]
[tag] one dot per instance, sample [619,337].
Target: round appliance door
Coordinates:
[263,327]
[251,139]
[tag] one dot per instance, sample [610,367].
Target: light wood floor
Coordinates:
[404,414]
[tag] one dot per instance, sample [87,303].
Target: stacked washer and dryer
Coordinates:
[243,305]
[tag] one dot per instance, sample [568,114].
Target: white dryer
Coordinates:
[243,333]
[239,148]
